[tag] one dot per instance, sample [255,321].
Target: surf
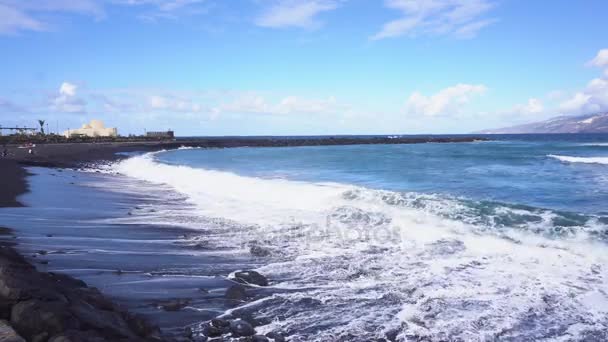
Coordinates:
[375,261]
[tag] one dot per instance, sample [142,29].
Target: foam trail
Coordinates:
[585,160]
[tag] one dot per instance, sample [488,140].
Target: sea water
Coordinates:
[498,240]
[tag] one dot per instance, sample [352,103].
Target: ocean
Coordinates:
[483,241]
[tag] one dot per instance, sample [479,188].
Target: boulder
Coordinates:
[275,336]
[250,277]
[236,292]
[109,322]
[33,318]
[241,328]
[8,334]
[259,338]
[174,305]
[211,331]
[78,336]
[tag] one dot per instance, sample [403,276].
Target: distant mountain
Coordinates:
[590,123]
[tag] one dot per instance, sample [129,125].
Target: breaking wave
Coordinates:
[586,160]
[355,264]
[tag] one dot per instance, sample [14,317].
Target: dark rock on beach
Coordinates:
[251,278]
[241,328]
[236,292]
[56,307]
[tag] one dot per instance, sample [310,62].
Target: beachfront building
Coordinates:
[161,135]
[95,128]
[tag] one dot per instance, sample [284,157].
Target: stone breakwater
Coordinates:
[38,306]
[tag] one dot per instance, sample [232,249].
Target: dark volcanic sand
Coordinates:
[12,183]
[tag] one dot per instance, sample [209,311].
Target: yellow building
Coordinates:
[95,128]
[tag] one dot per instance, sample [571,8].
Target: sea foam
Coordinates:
[585,160]
[357,264]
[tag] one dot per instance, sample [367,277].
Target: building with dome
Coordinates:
[95,128]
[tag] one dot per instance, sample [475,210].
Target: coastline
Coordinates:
[14,175]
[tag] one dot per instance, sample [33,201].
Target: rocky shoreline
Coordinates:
[38,306]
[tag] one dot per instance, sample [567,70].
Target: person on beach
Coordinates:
[4,153]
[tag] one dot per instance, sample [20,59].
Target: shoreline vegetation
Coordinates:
[41,306]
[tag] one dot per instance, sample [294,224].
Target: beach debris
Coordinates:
[249,277]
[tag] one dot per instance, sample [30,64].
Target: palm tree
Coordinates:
[41,122]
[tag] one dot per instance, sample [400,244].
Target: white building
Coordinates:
[95,128]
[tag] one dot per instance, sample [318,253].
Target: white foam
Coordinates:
[375,263]
[585,160]
[595,144]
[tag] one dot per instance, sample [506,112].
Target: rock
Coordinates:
[33,317]
[66,280]
[220,323]
[277,337]
[142,327]
[175,305]
[259,251]
[236,292]
[211,331]
[8,334]
[259,338]
[241,328]
[78,336]
[250,277]
[109,322]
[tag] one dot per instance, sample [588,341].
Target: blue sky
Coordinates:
[283,67]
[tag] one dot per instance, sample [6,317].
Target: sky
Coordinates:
[294,67]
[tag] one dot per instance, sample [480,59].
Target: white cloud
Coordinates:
[23,15]
[166,9]
[258,104]
[34,15]
[448,101]
[174,104]
[295,13]
[533,106]
[67,89]
[13,20]
[600,60]
[460,18]
[593,99]
[67,101]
